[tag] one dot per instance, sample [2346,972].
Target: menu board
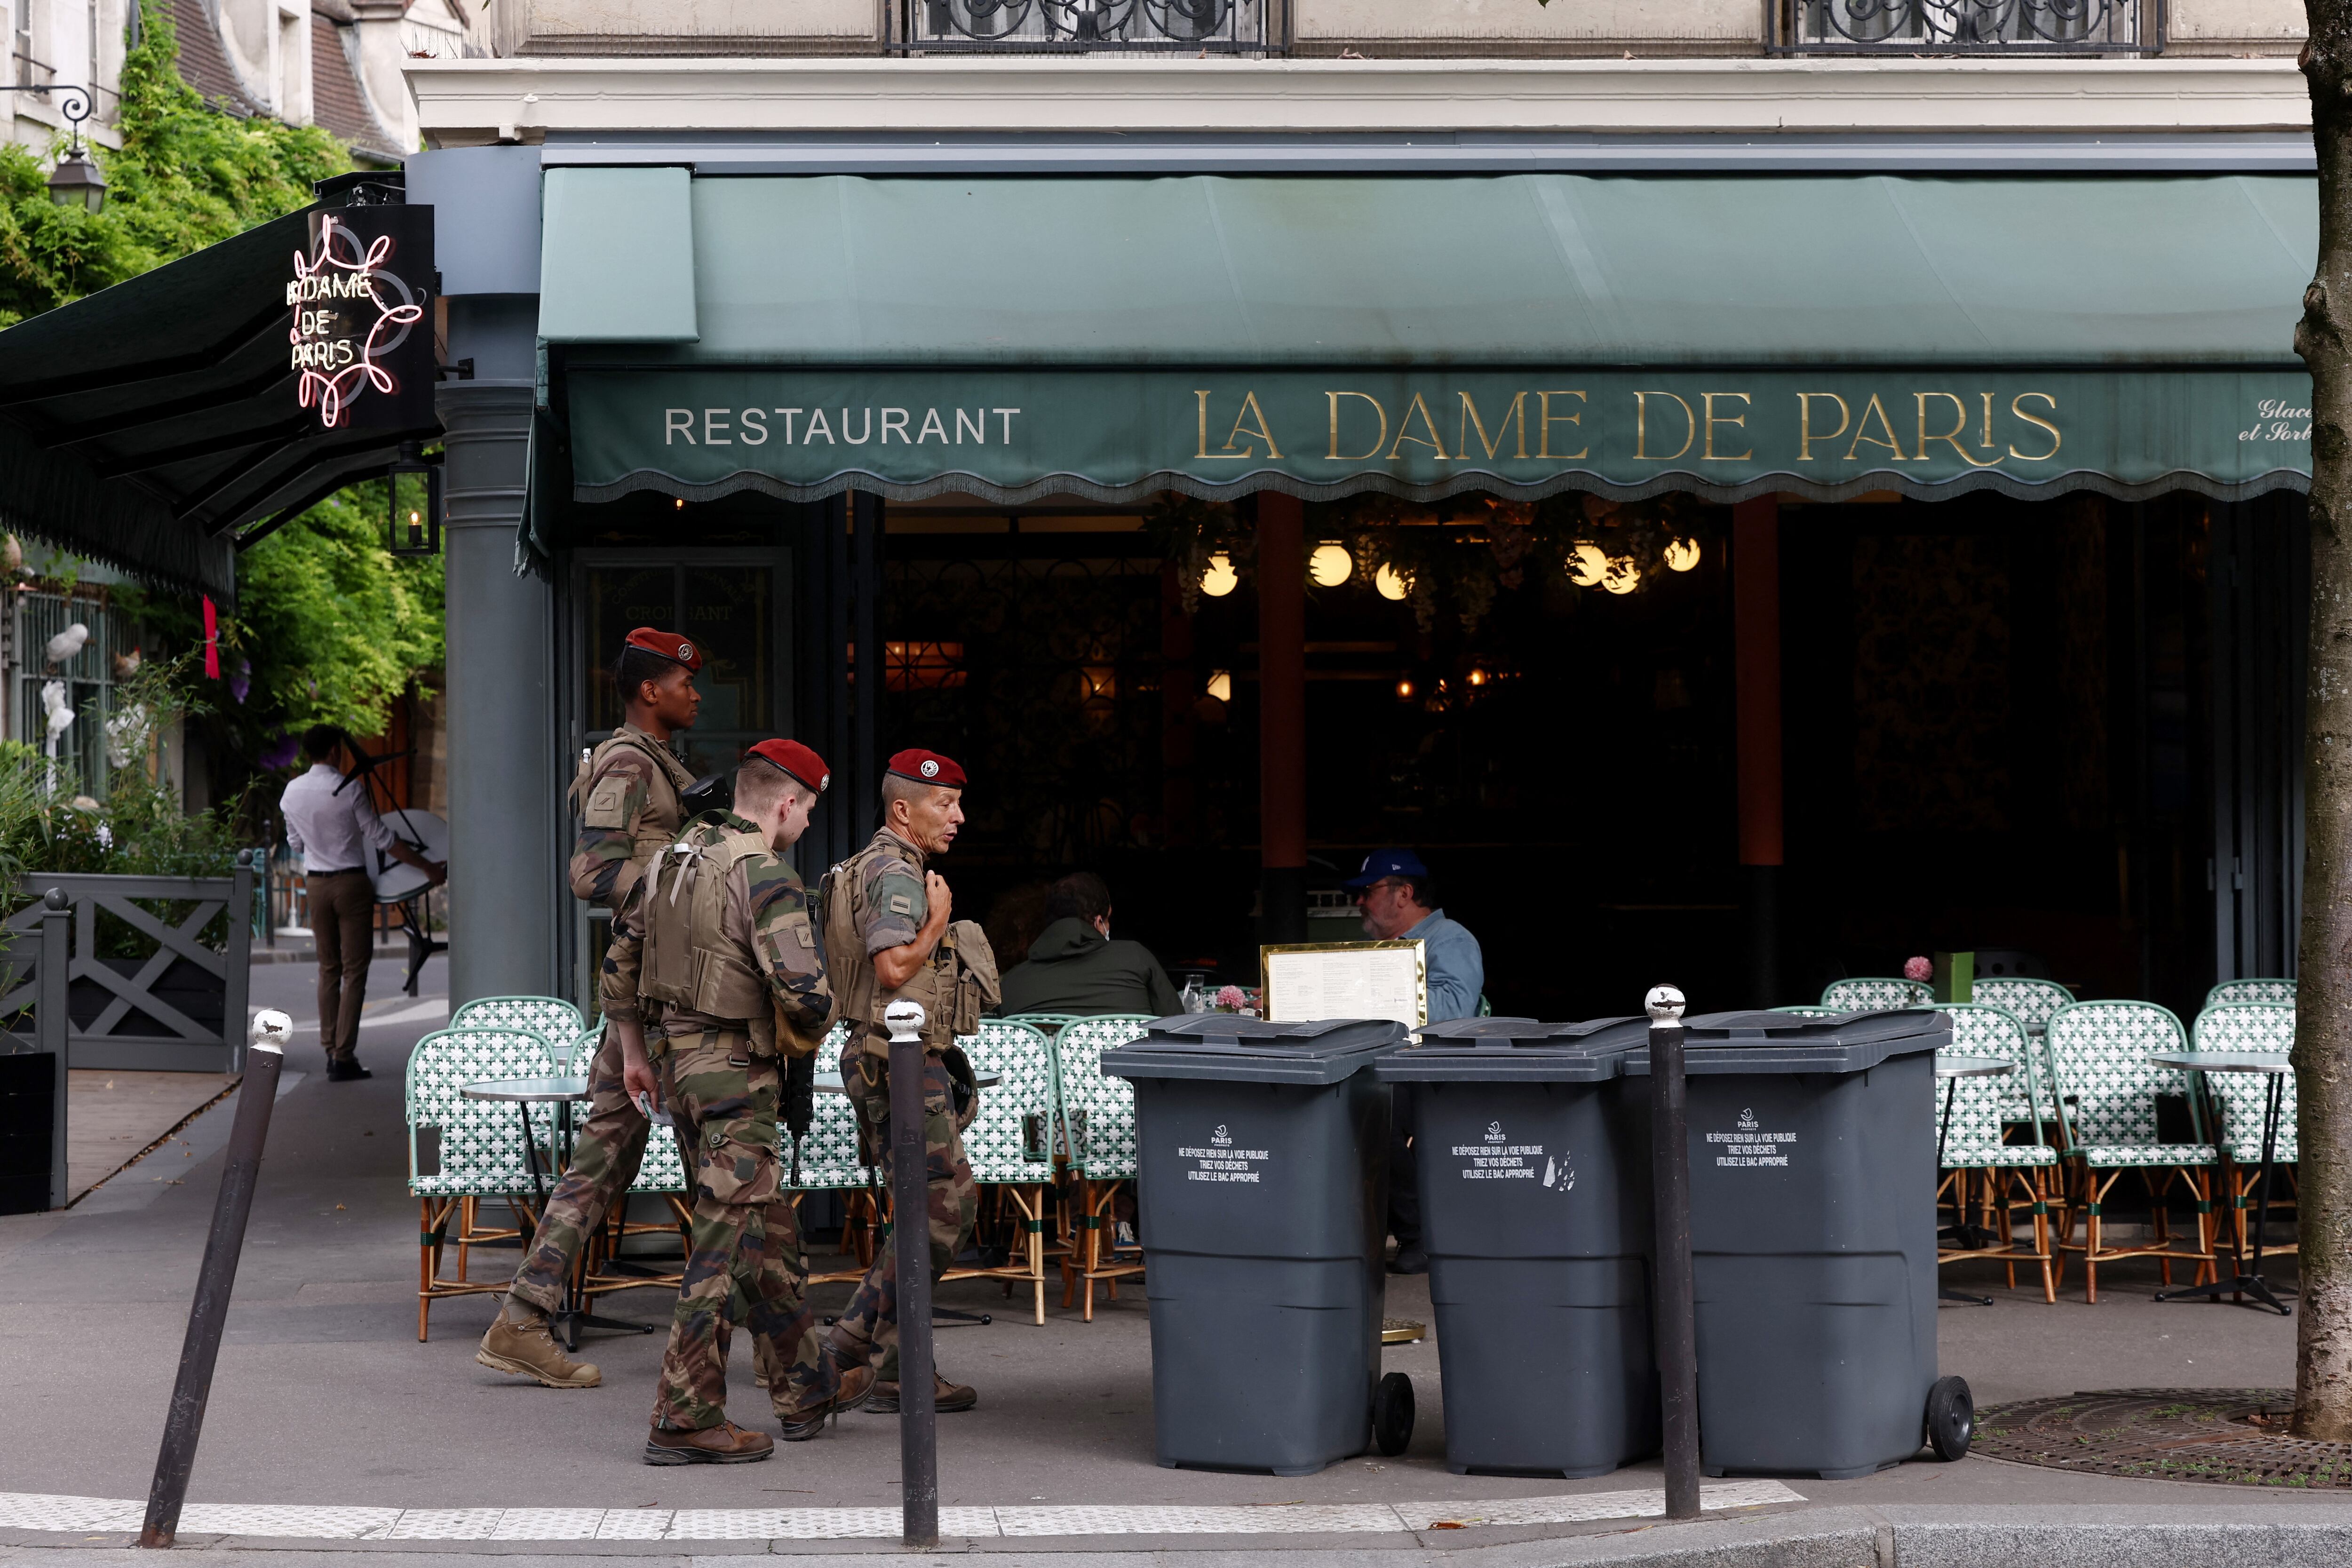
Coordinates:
[1346,980]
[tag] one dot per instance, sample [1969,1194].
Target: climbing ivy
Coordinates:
[187,175]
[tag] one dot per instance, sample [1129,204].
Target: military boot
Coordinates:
[725,1444]
[856,1386]
[949,1397]
[528,1349]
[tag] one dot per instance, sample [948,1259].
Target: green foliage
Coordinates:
[187,175]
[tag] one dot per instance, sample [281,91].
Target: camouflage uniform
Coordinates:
[887,908]
[721,1080]
[627,796]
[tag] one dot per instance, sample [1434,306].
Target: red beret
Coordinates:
[927,767]
[669,646]
[794,758]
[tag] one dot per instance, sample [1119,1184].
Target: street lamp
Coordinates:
[78,181]
[412,523]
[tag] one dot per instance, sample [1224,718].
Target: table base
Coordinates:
[568,1324]
[2252,1285]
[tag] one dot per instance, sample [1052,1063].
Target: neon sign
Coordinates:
[355,346]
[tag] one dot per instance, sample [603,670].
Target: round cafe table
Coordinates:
[2274,1065]
[562,1092]
[1951,1066]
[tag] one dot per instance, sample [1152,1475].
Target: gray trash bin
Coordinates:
[1812,1166]
[1534,1157]
[1261,1153]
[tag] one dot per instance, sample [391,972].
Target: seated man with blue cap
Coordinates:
[1393,891]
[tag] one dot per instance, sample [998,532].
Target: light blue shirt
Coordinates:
[1457,970]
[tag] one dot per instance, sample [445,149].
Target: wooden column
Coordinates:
[1755,636]
[1282,717]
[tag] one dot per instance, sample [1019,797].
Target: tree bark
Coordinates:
[2324,976]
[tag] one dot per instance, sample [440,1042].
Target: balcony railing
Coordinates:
[1972,26]
[1083,27]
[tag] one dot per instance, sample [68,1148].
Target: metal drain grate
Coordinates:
[2233,1436]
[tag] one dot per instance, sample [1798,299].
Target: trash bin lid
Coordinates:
[1254,1050]
[1787,1042]
[1511,1050]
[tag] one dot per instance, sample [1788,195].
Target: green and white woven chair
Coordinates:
[1098,1132]
[1046,1024]
[1802,1012]
[2106,1090]
[1010,1146]
[2031,1001]
[2243,1100]
[829,1162]
[1985,1178]
[2279,993]
[551,1018]
[476,1150]
[1871,994]
[575,1054]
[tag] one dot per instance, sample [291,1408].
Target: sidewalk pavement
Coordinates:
[324,1403]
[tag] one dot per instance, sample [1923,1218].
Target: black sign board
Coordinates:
[362,318]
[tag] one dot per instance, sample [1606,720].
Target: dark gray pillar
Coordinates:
[504,795]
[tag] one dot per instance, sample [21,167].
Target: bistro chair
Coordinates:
[1876,993]
[1098,1123]
[2032,1003]
[476,1150]
[1046,1024]
[1802,1012]
[2106,1089]
[829,1162]
[1984,1176]
[2278,993]
[551,1018]
[573,1056]
[1010,1146]
[2243,1098]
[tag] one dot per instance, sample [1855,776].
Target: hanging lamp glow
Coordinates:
[1331,565]
[1219,579]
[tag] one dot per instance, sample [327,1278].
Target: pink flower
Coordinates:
[1231,996]
[1918,968]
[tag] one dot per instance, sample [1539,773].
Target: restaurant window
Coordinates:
[83,679]
[727,604]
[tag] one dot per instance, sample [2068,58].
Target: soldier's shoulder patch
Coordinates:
[900,904]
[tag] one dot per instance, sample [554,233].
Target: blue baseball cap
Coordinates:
[1382,863]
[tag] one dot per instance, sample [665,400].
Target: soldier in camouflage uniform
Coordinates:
[627,796]
[888,937]
[713,972]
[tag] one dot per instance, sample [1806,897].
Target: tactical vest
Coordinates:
[689,960]
[600,802]
[953,988]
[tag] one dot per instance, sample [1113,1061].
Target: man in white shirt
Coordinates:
[335,834]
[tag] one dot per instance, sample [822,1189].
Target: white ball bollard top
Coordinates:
[904,1020]
[1664,1005]
[271,1031]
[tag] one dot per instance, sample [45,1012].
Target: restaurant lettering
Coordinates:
[357,340]
[757,427]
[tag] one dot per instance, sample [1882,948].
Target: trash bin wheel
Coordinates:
[1392,1413]
[1951,1418]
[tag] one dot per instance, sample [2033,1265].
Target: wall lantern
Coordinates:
[1329,566]
[1219,579]
[1394,584]
[1404,690]
[1680,555]
[1221,684]
[413,525]
[78,181]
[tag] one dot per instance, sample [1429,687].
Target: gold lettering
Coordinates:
[1404,423]
[1950,437]
[1706,402]
[1200,449]
[2055,439]
[1893,443]
[1249,408]
[1987,442]
[1805,437]
[1641,426]
[1378,442]
[1543,443]
[1470,421]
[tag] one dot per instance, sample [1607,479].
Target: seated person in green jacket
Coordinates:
[1074,966]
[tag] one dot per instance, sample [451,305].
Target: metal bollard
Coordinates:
[264,1054]
[1677,1313]
[910,1234]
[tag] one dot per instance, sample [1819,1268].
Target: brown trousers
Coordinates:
[342,914]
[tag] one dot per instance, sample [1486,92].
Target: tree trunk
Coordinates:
[2323,1044]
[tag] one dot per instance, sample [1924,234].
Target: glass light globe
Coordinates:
[1221,684]
[1680,555]
[1219,579]
[1587,566]
[1623,577]
[1329,566]
[1392,583]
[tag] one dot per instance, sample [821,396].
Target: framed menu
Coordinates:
[1311,981]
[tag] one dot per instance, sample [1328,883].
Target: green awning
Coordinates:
[1528,333]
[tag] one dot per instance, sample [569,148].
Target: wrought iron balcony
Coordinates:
[1082,26]
[1972,26]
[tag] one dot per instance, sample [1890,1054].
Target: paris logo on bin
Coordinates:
[1746,1121]
[1494,1133]
[1221,1138]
